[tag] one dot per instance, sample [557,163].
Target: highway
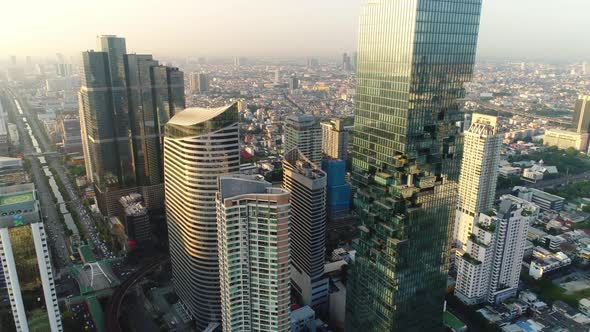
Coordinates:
[113,308]
[521,113]
[57,237]
[53,160]
[550,183]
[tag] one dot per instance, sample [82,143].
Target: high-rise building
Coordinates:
[413,59]
[489,268]
[338,190]
[479,174]
[346,63]
[13,60]
[582,117]
[211,136]
[24,256]
[277,76]
[293,84]
[305,133]
[253,242]
[335,139]
[126,100]
[199,82]
[307,184]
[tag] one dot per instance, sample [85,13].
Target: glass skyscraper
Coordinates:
[414,57]
[126,100]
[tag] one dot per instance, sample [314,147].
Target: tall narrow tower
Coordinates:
[489,269]
[479,174]
[413,58]
[253,237]
[307,183]
[199,145]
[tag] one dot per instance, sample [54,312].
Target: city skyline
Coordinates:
[508,29]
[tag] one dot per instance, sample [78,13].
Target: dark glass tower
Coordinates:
[126,100]
[414,57]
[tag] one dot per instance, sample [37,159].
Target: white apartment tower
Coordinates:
[305,133]
[479,174]
[489,269]
[199,146]
[307,184]
[253,246]
[24,256]
[335,139]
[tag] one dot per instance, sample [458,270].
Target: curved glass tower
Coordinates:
[414,57]
[199,145]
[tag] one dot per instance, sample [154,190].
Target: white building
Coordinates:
[253,249]
[489,269]
[479,174]
[24,256]
[307,184]
[199,145]
[335,139]
[305,133]
[545,261]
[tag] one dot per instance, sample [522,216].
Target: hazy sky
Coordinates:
[509,28]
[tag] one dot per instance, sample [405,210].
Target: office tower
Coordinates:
[136,220]
[413,58]
[479,174]
[582,114]
[338,190]
[125,102]
[199,82]
[84,137]
[253,242]
[13,60]
[237,61]
[335,139]
[24,255]
[346,64]
[305,133]
[489,269]
[71,139]
[277,76]
[293,84]
[307,184]
[191,183]
[28,61]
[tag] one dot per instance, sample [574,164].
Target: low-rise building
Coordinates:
[564,139]
[545,261]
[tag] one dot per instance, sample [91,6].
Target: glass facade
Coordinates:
[414,57]
[126,100]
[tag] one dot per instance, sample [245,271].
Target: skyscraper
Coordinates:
[413,58]
[211,136]
[125,101]
[199,82]
[253,242]
[24,255]
[489,269]
[335,139]
[304,132]
[479,174]
[582,114]
[307,184]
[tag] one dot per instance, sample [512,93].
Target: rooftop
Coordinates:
[195,115]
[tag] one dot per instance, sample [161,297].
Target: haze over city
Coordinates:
[533,29]
[295,166]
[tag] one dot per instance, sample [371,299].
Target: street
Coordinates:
[72,197]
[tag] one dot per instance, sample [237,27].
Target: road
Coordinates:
[57,235]
[72,197]
[550,183]
[521,113]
